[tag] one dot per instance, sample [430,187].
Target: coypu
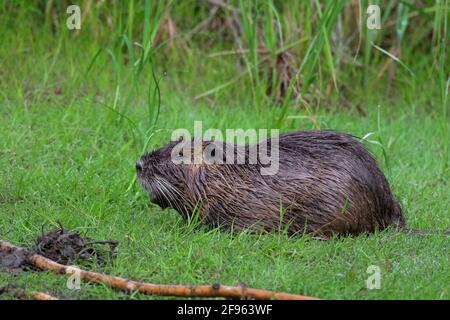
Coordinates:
[327,183]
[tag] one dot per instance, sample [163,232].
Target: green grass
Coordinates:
[69,164]
[69,140]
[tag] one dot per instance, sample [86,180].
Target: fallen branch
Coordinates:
[118,283]
[40,295]
[23,294]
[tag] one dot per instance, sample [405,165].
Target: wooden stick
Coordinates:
[23,294]
[36,295]
[123,284]
[41,296]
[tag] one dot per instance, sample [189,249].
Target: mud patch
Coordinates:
[14,260]
[66,246]
[62,246]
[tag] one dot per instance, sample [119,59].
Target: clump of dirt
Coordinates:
[66,246]
[60,245]
[14,260]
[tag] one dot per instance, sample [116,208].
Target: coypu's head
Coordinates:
[163,179]
[173,175]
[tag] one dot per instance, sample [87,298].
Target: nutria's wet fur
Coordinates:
[327,183]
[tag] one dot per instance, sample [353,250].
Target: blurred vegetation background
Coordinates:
[277,53]
[269,56]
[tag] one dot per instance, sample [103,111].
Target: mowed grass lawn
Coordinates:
[72,163]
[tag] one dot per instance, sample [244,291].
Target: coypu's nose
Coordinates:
[139,166]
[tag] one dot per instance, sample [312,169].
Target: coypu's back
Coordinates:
[327,183]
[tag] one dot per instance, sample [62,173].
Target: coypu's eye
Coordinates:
[213,152]
[180,153]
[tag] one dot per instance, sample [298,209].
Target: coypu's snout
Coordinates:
[162,178]
[151,182]
[144,169]
[139,166]
[144,177]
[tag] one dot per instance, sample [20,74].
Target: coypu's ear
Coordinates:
[214,152]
